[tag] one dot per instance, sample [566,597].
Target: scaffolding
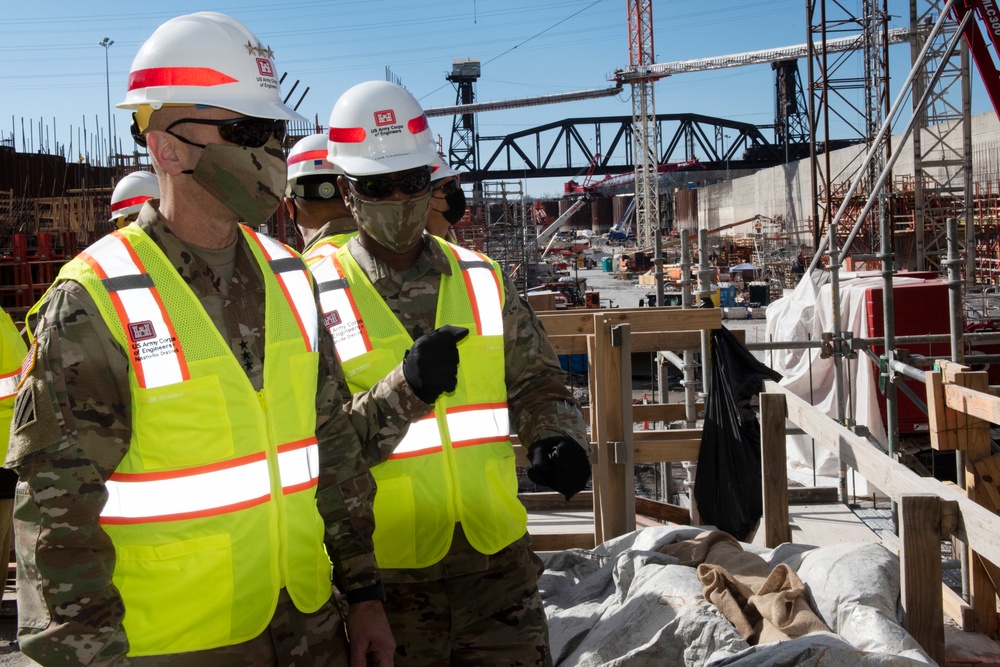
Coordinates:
[508,236]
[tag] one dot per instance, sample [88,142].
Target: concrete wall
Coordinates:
[785,191]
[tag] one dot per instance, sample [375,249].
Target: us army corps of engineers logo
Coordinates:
[340,329]
[147,345]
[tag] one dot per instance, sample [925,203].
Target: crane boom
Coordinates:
[551,229]
[622,76]
[658,70]
[988,13]
[522,102]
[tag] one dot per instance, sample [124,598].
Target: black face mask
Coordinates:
[456,205]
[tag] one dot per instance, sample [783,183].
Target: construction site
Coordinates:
[852,247]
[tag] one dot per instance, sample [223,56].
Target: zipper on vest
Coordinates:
[273,476]
[441,417]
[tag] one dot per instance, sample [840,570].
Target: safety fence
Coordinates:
[960,410]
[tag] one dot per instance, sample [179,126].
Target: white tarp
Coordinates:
[803,315]
[625,603]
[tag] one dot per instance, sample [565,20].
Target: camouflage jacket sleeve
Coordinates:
[71,428]
[346,490]
[381,415]
[541,405]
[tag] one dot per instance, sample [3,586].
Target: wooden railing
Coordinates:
[960,411]
[930,511]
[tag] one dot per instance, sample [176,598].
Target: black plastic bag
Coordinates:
[728,482]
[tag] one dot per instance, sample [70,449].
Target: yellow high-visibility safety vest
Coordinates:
[12,351]
[457,464]
[213,509]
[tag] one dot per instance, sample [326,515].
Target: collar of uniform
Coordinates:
[332,228]
[432,258]
[437,257]
[184,259]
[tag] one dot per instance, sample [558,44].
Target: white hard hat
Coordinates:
[377,127]
[208,59]
[440,169]
[131,192]
[308,158]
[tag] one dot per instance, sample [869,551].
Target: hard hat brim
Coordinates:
[270,110]
[367,166]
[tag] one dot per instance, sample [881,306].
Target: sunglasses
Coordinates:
[379,187]
[448,188]
[244,131]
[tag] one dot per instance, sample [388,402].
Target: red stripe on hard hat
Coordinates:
[308,155]
[347,135]
[129,202]
[417,125]
[177,76]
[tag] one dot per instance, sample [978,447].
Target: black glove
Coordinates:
[431,365]
[560,464]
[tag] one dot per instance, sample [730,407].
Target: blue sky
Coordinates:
[55,69]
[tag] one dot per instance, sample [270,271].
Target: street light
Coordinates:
[106,43]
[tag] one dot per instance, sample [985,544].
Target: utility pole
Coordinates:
[106,43]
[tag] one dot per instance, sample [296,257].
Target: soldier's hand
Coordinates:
[431,365]
[372,644]
[559,463]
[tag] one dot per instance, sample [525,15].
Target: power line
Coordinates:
[523,42]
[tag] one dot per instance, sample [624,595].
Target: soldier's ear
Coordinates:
[165,152]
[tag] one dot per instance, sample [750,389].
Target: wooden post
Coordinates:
[920,563]
[976,445]
[595,436]
[774,470]
[942,437]
[625,454]
[954,419]
[614,479]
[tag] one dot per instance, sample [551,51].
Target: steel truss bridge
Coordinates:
[568,147]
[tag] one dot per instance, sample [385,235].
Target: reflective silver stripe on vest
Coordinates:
[154,352]
[339,316]
[484,289]
[209,490]
[292,273]
[8,384]
[467,426]
[186,494]
[298,465]
[476,424]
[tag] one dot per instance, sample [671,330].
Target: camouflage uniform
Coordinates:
[338,227]
[471,608]
[72,426]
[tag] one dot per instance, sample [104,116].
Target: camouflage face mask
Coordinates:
[247,181]
[395,224]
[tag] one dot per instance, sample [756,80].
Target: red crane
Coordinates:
[590,186]
[988,13]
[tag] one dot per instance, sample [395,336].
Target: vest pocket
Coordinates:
[365,371]
[181,424]
[395,529]
[509,518]
[196,612]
